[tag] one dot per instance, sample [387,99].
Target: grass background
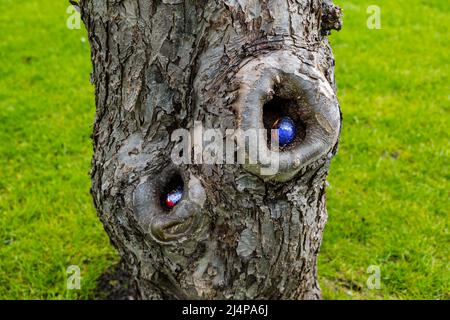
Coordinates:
[388,199]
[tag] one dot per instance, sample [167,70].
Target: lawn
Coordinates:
[388,199]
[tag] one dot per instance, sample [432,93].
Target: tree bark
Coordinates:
[162,65]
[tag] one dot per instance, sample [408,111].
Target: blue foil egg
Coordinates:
[174,197]
[286,130]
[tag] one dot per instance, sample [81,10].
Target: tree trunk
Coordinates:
[241,230]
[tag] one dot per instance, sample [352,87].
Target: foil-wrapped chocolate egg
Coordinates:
[286,130]
[174,197]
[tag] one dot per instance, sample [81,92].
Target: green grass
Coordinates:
[47,221]
[388,199]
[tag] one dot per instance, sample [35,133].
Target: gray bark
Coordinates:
[161,65]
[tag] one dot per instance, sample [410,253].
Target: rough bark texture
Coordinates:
[161,65]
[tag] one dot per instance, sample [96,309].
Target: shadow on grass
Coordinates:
[115,284]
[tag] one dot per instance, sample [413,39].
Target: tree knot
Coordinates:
[331,18]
